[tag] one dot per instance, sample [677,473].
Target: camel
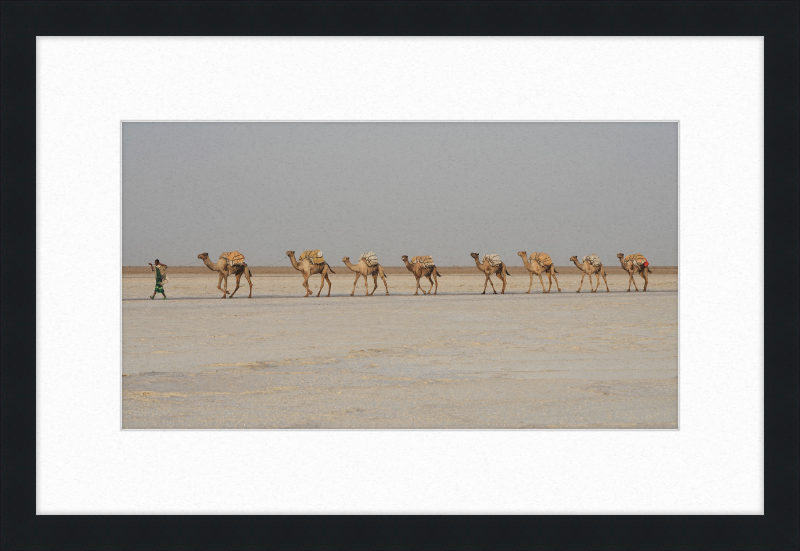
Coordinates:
[535,268]
[421,271]
[500,271]
[633,268]
[363,269]
[587,268]
[225,270]
[308,269]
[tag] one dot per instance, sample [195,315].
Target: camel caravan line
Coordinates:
[313,262]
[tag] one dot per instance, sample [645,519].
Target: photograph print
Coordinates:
[400,275]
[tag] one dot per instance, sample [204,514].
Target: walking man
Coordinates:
[161,274]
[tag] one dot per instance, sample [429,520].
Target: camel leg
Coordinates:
[219,286]
[634,283]
[581,285]
[502,277]
[554,277]
[603,273]
[541,281]
[366,286]
[354,284]
[321,282]
[379,272]
[489,279]
[305,284]
[238,277]
[484,285]
[436,281]
[428,277]
[644,275]
[247,277]
[375,282]
[531,285]
[329,282]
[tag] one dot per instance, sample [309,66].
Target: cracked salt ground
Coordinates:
[604,360]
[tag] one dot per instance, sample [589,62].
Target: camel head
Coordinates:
[202,256]
[345,259]
[404,257]
[523,254]
[620,255]
[573,258]
[289,253]
[474,255]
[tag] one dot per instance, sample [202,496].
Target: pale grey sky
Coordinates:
[441,188]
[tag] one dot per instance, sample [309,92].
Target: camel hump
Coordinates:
[370,258]
[543,259]
[492,259]
[426,261]
[233,258]
[314,256]
[593,259]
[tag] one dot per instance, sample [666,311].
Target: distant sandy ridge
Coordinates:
[390,270]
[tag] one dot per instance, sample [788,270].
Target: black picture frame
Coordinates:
[778,528]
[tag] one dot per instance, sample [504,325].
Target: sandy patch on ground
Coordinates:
[456,360]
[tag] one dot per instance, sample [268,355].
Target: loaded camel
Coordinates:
[535,268]
[500,271]
[363,269]
[225,270]
[635,264]
[587,268]
[308,268]
[421,271]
